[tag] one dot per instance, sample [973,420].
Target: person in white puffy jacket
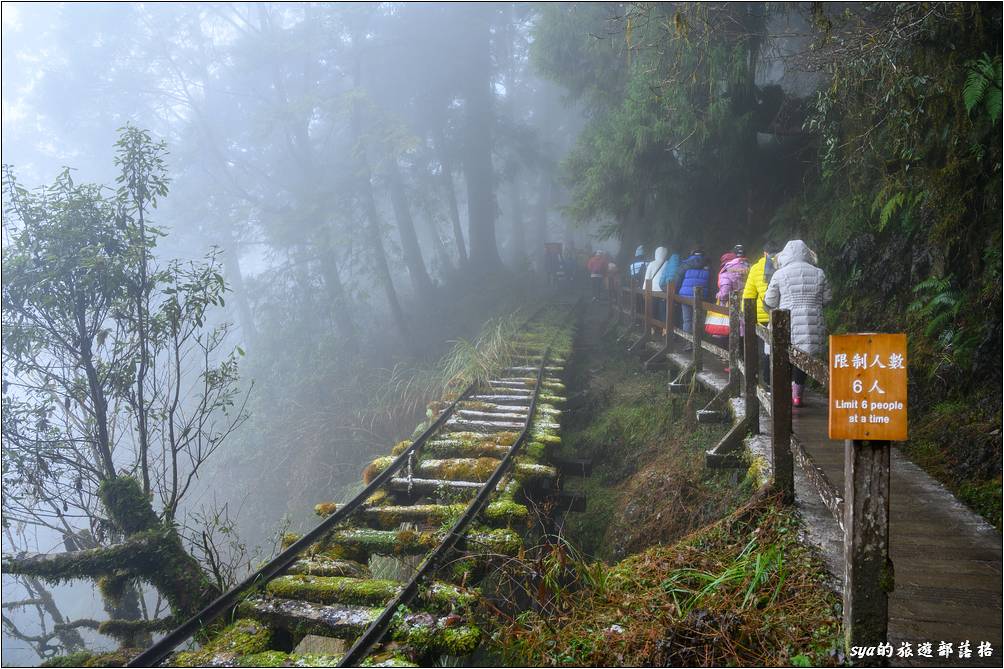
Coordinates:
[801,287]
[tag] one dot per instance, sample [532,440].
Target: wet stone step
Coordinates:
[493,415]
[511,390]
[490,406]
[503,398]
[359,544]
[515,383]
[426,632]
[434,487]
[294,615]
[390,517]
[481,469]
[322,566]
[484,425]
[463,448]
[438,596]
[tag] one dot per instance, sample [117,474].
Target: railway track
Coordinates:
[432,511]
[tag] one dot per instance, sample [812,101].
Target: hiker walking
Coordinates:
[597,268]
[801,287]
[755,288]
[693,272]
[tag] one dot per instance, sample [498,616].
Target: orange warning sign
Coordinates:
[868,387]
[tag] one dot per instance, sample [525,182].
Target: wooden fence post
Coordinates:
[734,343]
[868,572]
[698,325]
[751,364]
[647,306]
[634,305]
[670,304]
[780,401]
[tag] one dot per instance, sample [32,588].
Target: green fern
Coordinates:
[983,85]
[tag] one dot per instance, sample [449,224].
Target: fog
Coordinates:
[371,175]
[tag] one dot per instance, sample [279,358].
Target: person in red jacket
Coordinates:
[597,267]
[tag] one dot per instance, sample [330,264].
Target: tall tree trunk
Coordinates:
[478,171]
[516,217]
[442,255]
[340,312]
[375,241]
[540,217]
[409,240]
[364,188]
[451,195]
[235,277]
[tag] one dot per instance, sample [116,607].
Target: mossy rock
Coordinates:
[505,510]
[374,468]
[429,636]
[534,475]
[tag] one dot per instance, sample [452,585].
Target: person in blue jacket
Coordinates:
[693,272]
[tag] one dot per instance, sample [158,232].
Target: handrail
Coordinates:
[715,308]
[811,365]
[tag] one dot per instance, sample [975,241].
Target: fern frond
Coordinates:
[975,88]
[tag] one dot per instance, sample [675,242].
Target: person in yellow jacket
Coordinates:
[756,287]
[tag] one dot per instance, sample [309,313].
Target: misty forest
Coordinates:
[501,334]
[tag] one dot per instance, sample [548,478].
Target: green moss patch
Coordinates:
[243,637]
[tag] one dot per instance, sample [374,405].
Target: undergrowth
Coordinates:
[649,483]
[743,591]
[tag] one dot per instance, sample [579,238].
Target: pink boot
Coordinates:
[796,394]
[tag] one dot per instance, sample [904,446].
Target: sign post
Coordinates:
[868,409]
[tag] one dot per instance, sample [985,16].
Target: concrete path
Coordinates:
[947,559]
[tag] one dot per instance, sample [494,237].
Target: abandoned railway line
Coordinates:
[436,509]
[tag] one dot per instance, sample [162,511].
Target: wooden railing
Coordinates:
[861,509]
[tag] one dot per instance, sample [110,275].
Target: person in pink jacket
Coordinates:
[732,275]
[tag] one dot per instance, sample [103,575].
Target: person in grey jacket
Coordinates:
[801,287]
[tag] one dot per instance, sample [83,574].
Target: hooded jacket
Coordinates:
[693,272]
[668,274]
[636,270]
[732,278]
[801,287]
[654,267]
